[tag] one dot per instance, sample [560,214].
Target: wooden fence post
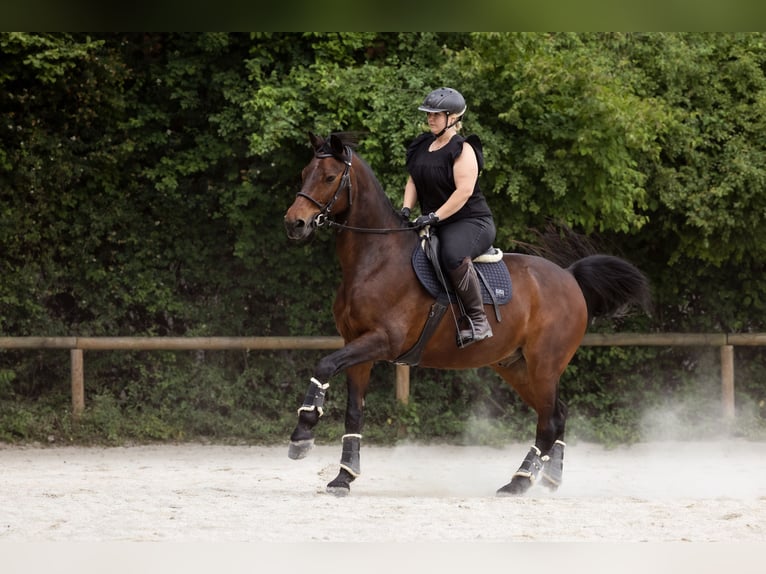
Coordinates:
[403,383]
[78,383]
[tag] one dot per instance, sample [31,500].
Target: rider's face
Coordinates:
[437,121]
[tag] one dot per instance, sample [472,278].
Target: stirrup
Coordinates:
[463,341]
[464,337]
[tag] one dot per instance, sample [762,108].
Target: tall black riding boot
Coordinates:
[466,284]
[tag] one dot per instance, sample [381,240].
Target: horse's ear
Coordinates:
[336,145]
[315,140]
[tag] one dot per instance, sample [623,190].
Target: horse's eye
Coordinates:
[330,178]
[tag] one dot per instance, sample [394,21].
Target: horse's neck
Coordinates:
[361,252]
[371,208]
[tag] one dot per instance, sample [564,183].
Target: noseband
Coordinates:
[323,217]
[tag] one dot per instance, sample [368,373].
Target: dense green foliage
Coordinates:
[144,176]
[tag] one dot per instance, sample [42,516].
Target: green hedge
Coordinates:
[144,178]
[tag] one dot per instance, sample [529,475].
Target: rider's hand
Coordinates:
[404,213]
[424,220]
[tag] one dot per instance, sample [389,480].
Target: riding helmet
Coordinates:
[444,100]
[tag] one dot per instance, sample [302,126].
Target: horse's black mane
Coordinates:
[350,139]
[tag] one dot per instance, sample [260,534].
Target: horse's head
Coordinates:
[325,189]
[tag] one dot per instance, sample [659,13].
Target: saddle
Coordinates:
[493,276]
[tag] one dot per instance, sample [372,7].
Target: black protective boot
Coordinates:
[466,284]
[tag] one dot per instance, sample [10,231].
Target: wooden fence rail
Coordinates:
[77,345]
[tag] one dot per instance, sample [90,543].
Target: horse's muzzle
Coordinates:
[299,229]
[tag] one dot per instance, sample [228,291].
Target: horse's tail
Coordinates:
[610,285]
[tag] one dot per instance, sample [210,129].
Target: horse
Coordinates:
[381,310]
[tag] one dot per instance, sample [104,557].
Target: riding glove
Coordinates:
[405,213]
[424,220]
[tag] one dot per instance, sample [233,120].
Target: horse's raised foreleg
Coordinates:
[357,359]
[302,438]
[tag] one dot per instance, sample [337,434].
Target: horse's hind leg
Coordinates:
[545,457]
[358,378]
[547,454]
[553,466]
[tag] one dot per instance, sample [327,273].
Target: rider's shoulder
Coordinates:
[475,142]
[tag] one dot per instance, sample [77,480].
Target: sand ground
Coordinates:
[652,492]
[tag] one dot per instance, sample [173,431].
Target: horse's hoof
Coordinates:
[518,486]
[341,484]
[339,490]
[549,482]
[300,448]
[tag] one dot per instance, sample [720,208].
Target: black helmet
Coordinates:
[444,100]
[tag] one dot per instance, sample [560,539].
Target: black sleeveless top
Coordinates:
[433,177]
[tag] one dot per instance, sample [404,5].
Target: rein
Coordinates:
[383,230]
[324,216]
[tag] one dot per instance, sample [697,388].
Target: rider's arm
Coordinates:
[410,194]
[466,172]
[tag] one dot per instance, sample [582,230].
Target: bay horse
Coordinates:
[381,309]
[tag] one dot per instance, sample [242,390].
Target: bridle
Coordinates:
[324,217]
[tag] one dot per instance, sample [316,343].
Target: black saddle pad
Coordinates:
[496,275]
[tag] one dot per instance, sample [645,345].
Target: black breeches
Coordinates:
[464,238]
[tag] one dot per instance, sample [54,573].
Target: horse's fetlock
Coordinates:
[303,430]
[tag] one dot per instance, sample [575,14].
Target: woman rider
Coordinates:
[443,169]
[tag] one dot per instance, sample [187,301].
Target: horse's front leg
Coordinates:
[302,438]
[360,350]
[358,378]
